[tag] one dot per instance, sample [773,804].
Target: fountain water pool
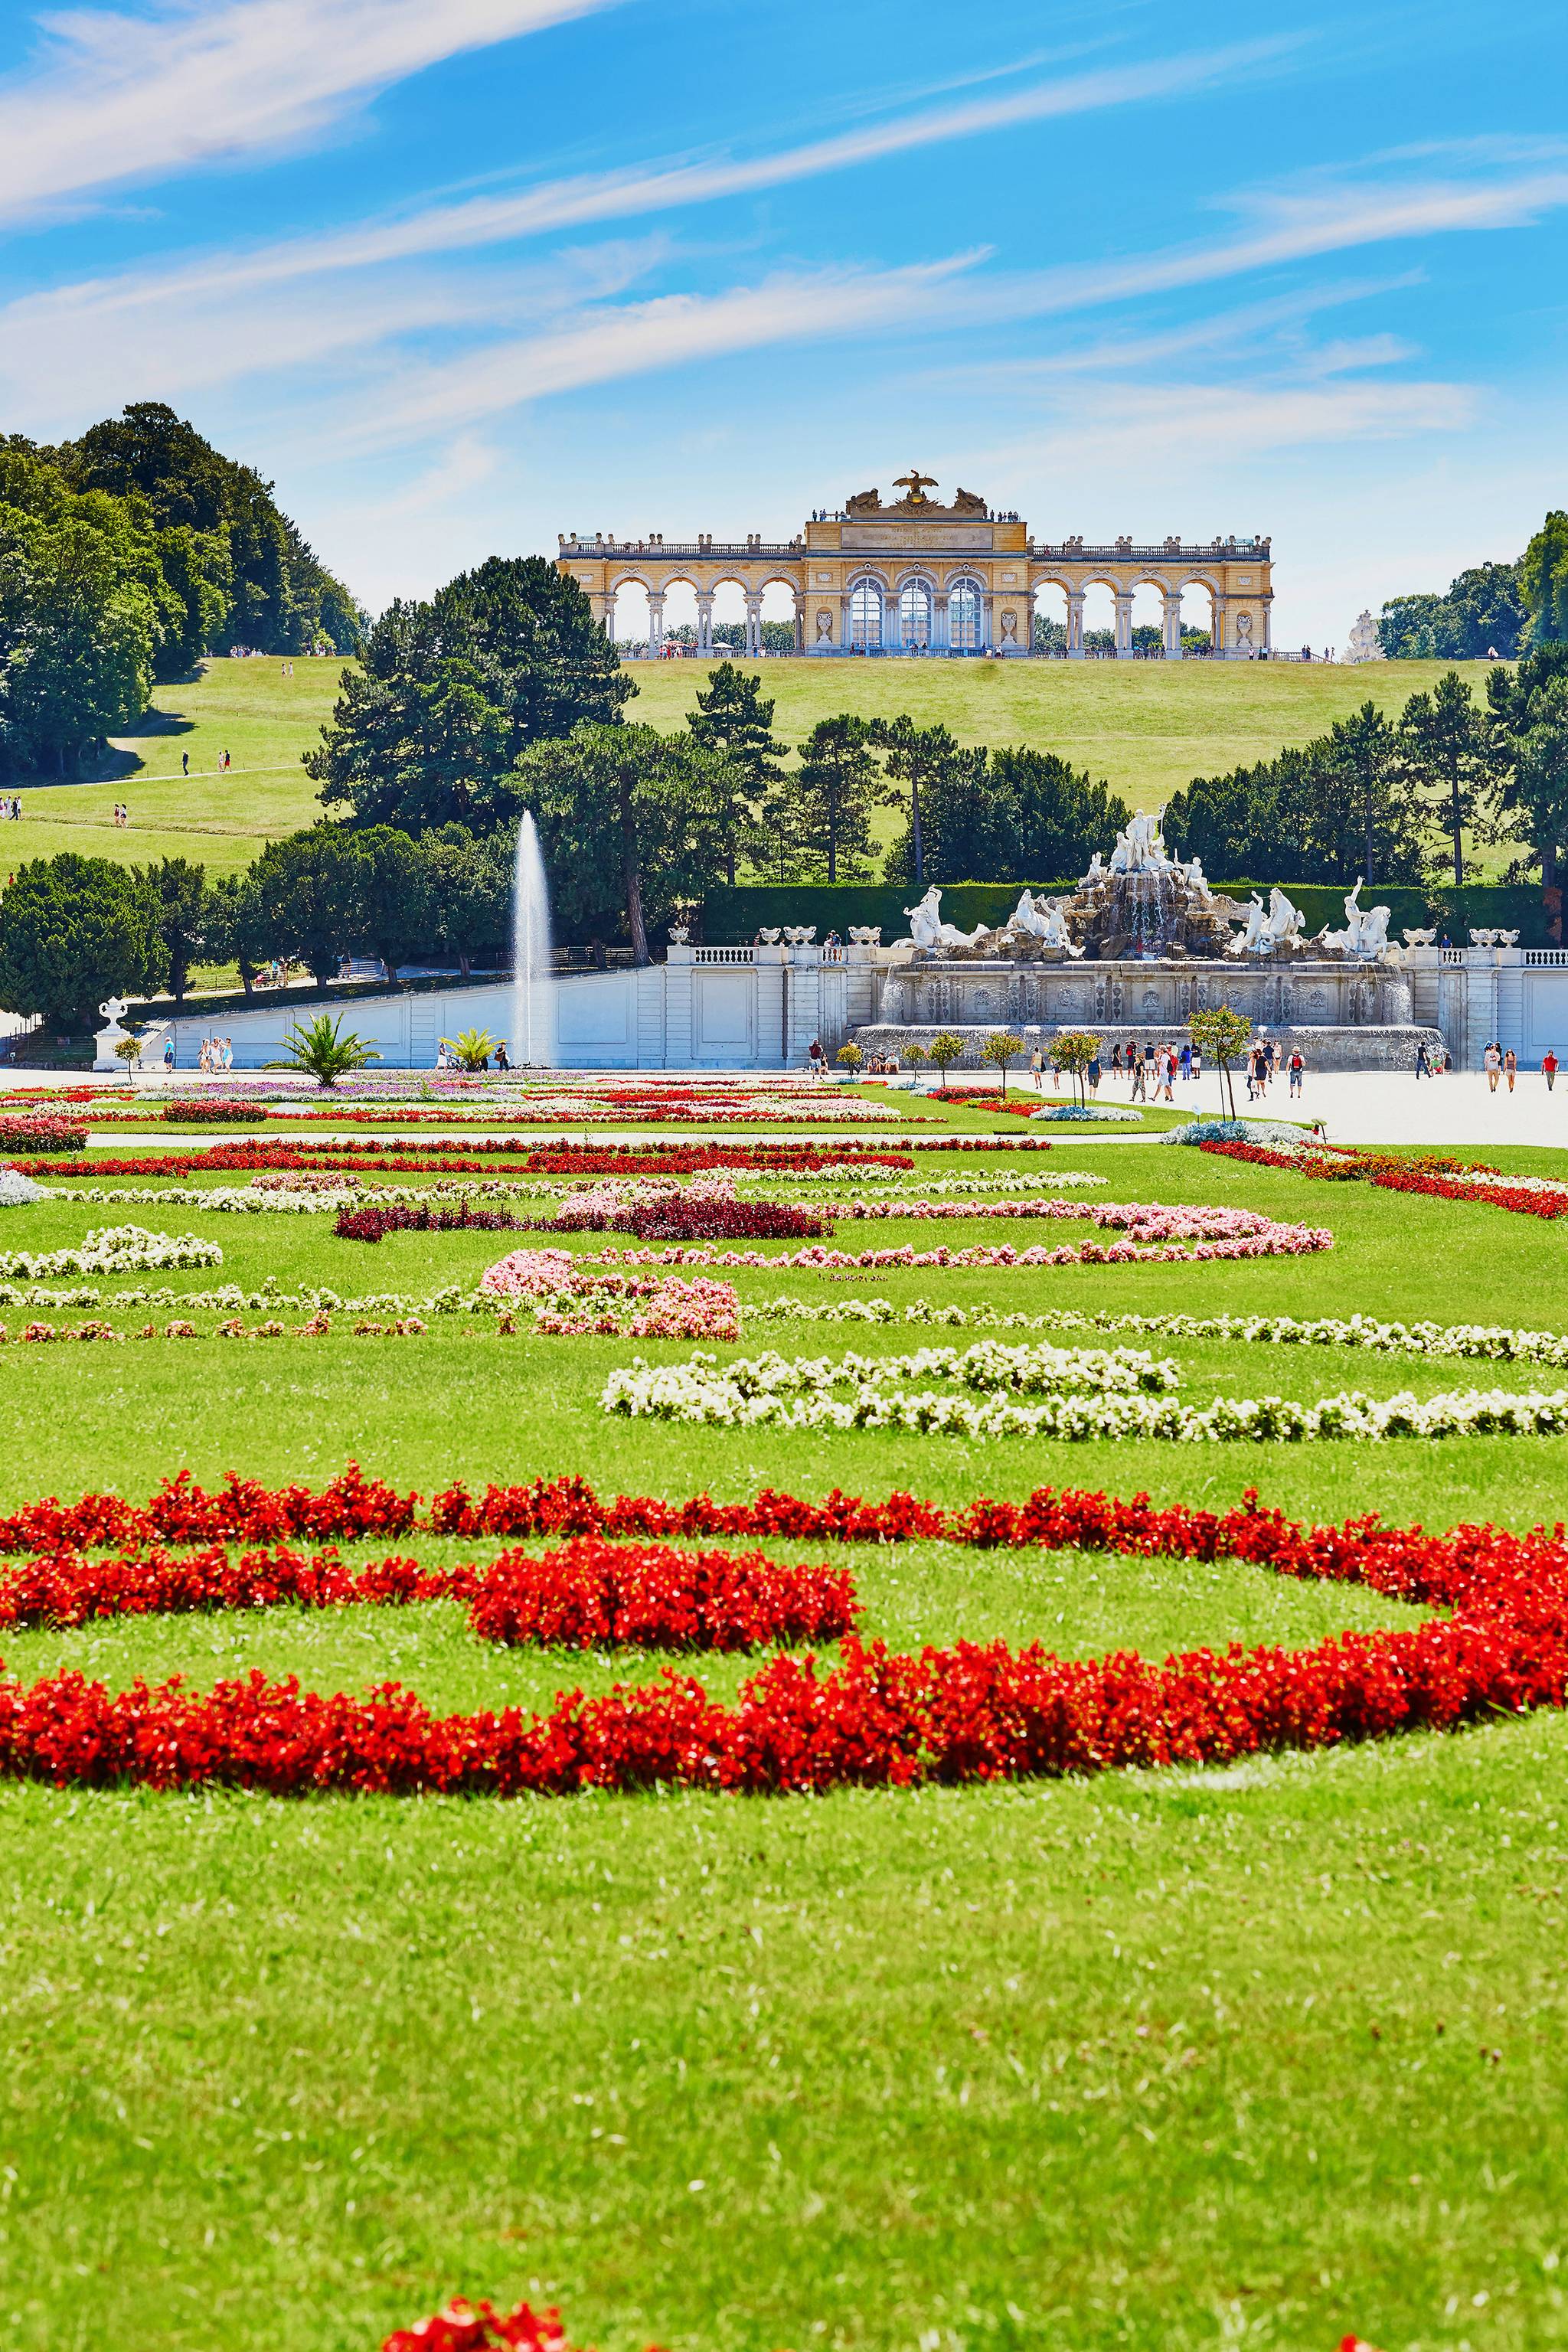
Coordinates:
[533,962]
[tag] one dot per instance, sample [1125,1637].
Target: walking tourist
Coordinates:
[1492,1062]
[1036,1071]
[1093,1073]
[1187,1061]
[503,1060]
[1423,1063]
[1298,1071]
[1549,1068]
[1510,1068]
[1138,1094]
[184,763]
[817,1058]
[1169,1060]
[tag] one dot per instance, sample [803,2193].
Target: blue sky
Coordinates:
[459,274]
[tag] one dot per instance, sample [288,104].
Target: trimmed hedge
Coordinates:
[731,916]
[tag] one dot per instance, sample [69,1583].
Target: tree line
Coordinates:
[1492,612]
[1394,800]
[124,557]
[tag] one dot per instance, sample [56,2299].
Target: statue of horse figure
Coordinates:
[928,930]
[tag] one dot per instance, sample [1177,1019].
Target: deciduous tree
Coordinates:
[73,932]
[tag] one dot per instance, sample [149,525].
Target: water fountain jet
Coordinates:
[532,958]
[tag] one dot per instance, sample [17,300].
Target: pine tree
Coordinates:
[836,787]
[1443,747]
[732,719]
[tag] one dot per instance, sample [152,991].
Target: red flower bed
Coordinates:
[202,1113]
[1429,1174]
[593,1594]
[589,1593]
[397,1217]
[988,1098]
[566,1158]
[976,1711]
[35,1131]
[463,2328]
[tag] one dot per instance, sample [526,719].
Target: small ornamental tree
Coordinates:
[945,1048]
[1221,1033]
[851,1056]
[320,1048]
[471,1048]
[1002,1048]
[74,931]
[1073,1053]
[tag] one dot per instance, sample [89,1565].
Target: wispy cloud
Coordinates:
[589,199]
[117,98]
[637,339]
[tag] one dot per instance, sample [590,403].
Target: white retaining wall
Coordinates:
[759,1009]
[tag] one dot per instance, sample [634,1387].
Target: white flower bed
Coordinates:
[1493,1342]
[1085,1395]
[1095,1113]
[113,1249]
[1273,1132]
[19,1192]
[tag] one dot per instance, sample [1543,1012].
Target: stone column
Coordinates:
[753,625]
[705,621]
[1075,624]
[1219,649]
[1268,623]
[1172,628]
[1123,623]
[655,623]
[987,620]
[800,620]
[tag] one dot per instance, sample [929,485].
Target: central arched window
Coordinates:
[914,615]
[964,617]
[866,613]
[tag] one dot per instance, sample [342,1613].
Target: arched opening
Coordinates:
[778,618]
[866,617]
[1100,621]
[1198,620]
[629,622]
[1050,621]
[728,618]
[1148,631]
[679,620]
[966,617]
[915,615]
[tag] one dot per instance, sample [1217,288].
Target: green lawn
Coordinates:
[1147,726]
[1162,2060]
[264,721]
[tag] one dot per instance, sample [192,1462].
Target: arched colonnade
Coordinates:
[657,583]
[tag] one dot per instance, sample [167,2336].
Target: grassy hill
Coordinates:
[1147,726]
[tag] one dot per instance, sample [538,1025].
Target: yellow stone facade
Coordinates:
[919,576]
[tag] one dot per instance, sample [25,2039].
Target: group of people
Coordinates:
[216,1056]
[1502,1062]
[121,816]
[882,1065]
[446,1059]
[1265,1060]
[11,807]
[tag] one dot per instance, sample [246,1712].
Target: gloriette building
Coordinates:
[919,577]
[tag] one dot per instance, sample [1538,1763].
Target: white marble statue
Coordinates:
[1054,931]
[1096,871]
[1365,935]
[1140,850]
[1362,643]
[1286,923]
[1197,882]
[1027,918]
[1251,941]
[928,930]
